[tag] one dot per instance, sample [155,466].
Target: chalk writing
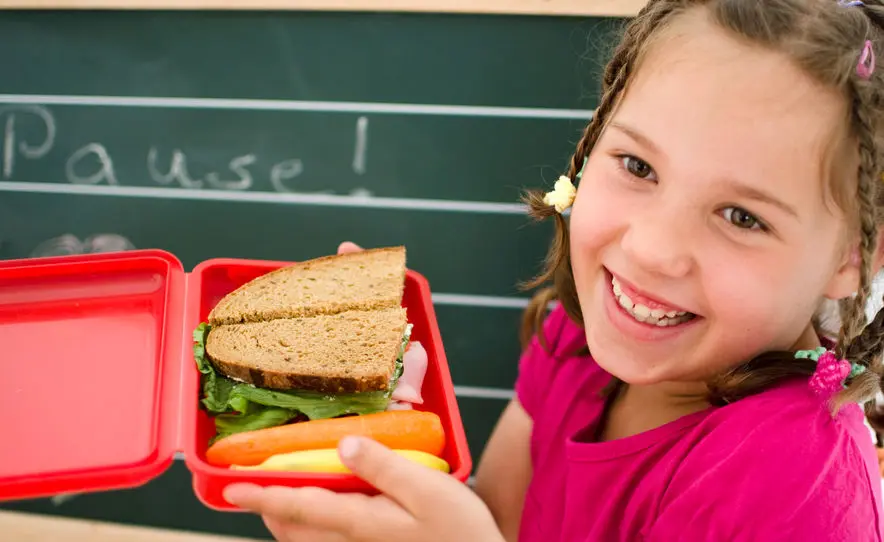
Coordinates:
[361,145]
[92,163]
[237,165]
[105,170]
[283,171]
[28,150]
[177,170]
[9,147]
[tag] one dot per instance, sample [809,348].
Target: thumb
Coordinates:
[401,479]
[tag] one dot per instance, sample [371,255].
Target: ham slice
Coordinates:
[414,370]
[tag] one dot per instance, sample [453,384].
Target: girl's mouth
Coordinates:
[647,311]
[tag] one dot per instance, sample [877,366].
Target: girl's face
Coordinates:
[702,234]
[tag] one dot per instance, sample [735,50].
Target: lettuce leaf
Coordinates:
[239,407]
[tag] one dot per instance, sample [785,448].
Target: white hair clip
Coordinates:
[562,195]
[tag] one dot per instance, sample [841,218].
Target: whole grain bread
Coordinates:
[348,352]
[366,280]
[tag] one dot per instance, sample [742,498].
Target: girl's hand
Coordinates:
[416,503]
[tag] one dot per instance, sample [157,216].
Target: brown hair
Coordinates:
[825,39]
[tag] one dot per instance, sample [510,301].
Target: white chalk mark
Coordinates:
[488,301]
[61,498]
[283,171]
[106,242]
[63,245]
[177,170]
[238,165]
[106,173]
[69,244]
[9,147]
[478,392]
[360,192]
[361,146]
[49,123]
[327,200]
[28,151]
[299,105]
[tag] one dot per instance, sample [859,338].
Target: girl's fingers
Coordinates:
[416,488]
[347,247]
[311,507]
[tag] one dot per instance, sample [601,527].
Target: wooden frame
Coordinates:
[596,8]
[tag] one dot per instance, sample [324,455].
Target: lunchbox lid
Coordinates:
[93,390]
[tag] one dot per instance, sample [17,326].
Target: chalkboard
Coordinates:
[277,135]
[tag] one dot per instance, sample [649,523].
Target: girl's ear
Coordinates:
[846,280]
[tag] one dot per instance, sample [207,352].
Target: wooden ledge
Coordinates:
[22,527]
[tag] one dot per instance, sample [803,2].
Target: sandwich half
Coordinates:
[320,339]
[367,280]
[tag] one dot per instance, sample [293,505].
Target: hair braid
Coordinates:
[860,343]
[853,314]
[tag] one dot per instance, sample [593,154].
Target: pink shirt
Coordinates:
[772,467]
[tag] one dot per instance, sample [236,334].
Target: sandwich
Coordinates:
[319,339]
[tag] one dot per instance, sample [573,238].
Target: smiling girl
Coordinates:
[685,386]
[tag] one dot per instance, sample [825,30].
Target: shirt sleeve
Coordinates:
[537,366]
[772,483]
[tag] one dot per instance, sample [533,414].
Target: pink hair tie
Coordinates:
[866,65]
[831,373]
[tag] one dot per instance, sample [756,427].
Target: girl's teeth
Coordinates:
[645,314]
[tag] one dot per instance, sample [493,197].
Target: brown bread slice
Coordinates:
[371,279]
[349,352]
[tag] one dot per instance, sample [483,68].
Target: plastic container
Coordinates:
[99,386]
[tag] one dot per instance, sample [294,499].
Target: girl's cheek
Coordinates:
[597,212]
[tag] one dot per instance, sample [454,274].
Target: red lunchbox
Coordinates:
[98,384]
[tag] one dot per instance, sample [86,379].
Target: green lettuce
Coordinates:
[239,407]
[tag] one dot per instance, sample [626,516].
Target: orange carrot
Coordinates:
[400,429]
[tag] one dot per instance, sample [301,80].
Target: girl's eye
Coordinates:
[743,219]
[636,167]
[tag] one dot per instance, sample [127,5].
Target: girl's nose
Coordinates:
[658,241]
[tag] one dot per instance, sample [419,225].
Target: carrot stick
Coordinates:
[401,429]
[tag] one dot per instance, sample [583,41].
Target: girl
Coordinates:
[689,384]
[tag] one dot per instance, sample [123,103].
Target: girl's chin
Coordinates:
[634,370]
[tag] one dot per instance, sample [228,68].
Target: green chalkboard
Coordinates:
[279,134]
